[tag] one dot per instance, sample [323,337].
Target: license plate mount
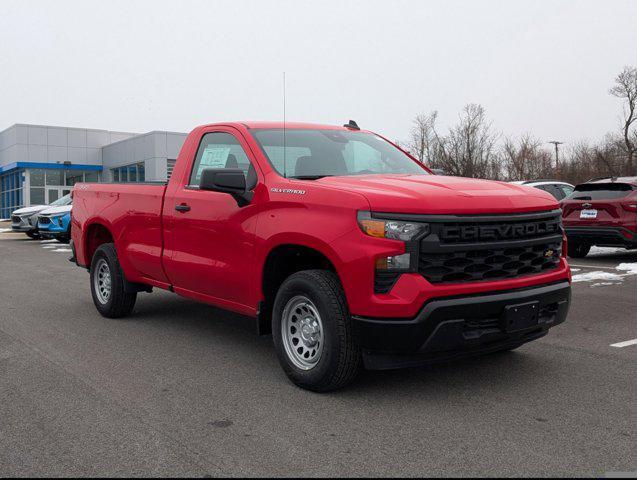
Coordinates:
[521,316]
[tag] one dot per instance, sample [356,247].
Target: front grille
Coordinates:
[44,220]
[16,219]
[472,249]
[489,264]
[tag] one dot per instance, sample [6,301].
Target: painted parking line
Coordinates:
[625,344]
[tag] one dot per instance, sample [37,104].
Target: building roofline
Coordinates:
[65,127]
[139,135]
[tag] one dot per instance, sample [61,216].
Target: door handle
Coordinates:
[183,208]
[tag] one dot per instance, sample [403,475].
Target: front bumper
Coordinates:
[24,224]
[602,236]
[450,328]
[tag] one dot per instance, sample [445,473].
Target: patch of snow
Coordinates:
[601,284]
[2,230]
[629,268]
[605,250]
[48,241]
[49,246]
[575,269]
[61,250]
[597,275]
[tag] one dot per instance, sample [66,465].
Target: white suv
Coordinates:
[560,190]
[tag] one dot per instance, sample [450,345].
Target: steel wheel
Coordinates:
[302,332]
[102,281]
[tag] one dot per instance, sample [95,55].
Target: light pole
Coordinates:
[557,154]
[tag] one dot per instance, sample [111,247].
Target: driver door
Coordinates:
[209,239]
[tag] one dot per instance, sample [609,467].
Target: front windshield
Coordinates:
[60,202]
[322,153]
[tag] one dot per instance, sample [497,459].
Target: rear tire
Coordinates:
[313,332]
[107,284]
[578,250]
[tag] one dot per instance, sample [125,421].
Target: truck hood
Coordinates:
[57,210]
[27,210]
[437,194]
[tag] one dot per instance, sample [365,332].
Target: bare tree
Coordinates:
[422,139]
[469,149]
[526,159]
[625,88]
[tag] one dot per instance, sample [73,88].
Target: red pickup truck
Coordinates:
[336,241]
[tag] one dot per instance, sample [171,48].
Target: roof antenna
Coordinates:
[284,143]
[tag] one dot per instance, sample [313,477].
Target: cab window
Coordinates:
[218,150]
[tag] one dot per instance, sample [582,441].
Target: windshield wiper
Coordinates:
[310,177]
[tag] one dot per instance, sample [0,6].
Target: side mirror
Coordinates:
[226,180]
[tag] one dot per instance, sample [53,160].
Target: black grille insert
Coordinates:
[471,249]
[44,220]
[489,264]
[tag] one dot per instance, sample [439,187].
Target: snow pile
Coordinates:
[2,230]
[605,250]
[629,268]
[623,270]
[597,275]
[61,250]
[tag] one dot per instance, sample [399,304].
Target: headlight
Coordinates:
[393,229]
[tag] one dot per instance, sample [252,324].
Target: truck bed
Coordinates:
[132,212]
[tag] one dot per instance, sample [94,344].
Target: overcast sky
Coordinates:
[536,66]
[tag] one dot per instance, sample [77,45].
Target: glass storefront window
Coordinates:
[11,185]
[91,176]
[37,178]
[130,173]
[37,196]
[73,177]
[55,177]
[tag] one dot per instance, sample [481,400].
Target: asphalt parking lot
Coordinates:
[182,388]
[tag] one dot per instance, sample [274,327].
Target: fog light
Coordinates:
[397,262]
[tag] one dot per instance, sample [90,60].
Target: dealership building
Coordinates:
[41,163]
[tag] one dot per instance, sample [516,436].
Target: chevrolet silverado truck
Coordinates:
[344,247]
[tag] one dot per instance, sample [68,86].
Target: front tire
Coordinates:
[33,235]
[313,332]
[107,284]
[578,250]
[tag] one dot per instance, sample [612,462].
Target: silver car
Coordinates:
[26,219]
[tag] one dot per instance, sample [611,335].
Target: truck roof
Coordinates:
[279,124]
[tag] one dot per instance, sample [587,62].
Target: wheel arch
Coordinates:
[281,261]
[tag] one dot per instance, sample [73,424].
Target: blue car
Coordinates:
[55,223]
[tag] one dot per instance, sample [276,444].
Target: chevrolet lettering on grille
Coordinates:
[498,232]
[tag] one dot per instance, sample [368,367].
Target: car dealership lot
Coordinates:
[182,388]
